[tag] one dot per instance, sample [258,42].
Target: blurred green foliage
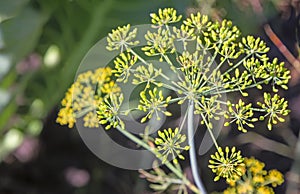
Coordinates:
[41,45]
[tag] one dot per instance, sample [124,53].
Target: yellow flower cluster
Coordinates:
[84,95]
[227,164]
[255,180]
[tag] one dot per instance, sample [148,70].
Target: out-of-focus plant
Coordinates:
[208,59]
[252,11]
[255,179]
[41,45]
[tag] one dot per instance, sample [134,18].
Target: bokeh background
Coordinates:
[41,45]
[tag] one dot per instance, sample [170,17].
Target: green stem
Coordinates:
[208,66]
[177,172]
[138,56]
[192,150]
[236,65]
[214,71]
[238,89]
[183,121]
[84,111]
[210,132]
[170,87]
[173,68]
[258,109]
[174,100]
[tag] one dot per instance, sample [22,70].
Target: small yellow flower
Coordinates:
[66,117]
[109,110]
[255,166]
[264,190]
[123,66]
[198,22]
[110,88]
[230,190]
[233,181]
[259,179]
[153,103]
[275,177]
[91,120]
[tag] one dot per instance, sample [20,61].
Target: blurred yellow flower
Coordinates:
[264,190]
[84,95]
[255,180]
[275,177]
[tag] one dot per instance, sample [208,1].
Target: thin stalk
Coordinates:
[146,146]
[184,119]
[238,89]
[209,65]
[85,111]
[138,56]
[171,65]
[258,110]
[192,151]
[215,70]
[174,100]
[210,132]
[177,172]
[237,64]
[170,87]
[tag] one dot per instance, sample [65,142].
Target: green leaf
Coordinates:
[4,99]
[5,62]
[9,9]
[1,40]
[21,33]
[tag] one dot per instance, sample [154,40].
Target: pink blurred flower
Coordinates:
[30,63]
[77,177]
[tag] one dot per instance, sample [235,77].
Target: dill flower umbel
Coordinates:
[109,109]
[169,143]
[226,165]
[121,38]
[154,104]
[84,95]
[165,16]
